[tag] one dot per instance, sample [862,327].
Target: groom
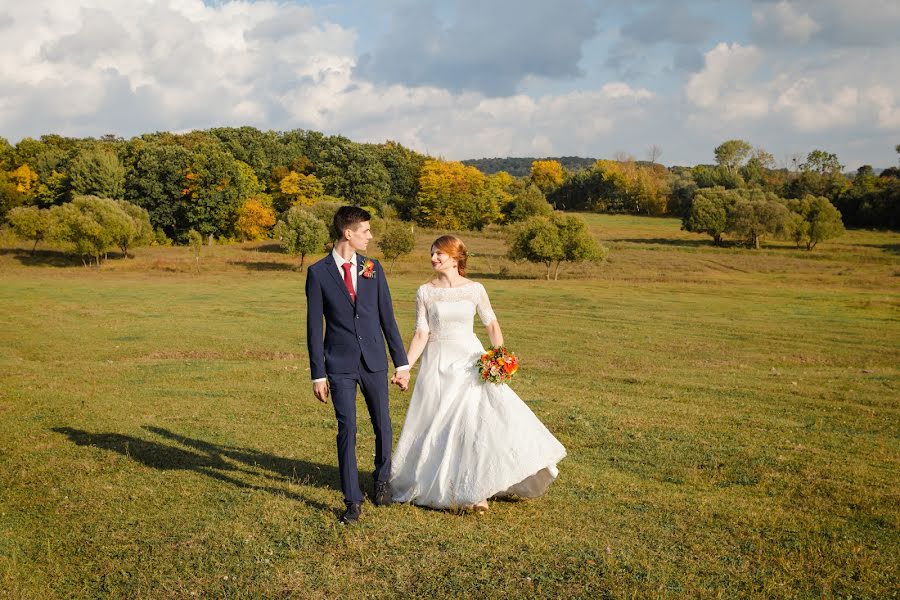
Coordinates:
[350,292]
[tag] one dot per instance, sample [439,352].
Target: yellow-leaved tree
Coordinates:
[547,174]
[255,218]
[25,179]
[455,196]
[300,189]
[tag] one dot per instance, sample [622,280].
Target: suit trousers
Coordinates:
[374,386]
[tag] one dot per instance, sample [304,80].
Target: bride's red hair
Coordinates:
[453,247]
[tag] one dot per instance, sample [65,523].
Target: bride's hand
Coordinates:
[401,379]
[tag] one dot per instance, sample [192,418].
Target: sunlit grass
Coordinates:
[731,418]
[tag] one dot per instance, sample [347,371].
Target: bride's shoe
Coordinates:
[477,508]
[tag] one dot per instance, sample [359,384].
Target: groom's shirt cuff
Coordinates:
[320,380]
[402,368]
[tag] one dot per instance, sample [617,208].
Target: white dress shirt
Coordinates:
[339,261]
[354,275]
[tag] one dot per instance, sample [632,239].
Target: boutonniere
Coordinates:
[367,268]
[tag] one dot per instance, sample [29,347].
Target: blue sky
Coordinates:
[468,78]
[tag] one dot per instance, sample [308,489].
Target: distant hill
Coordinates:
[520,167]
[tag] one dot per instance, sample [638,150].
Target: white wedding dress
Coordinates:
[463,440]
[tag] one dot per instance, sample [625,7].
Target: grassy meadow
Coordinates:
[732,419]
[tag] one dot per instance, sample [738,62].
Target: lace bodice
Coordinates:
[448,312]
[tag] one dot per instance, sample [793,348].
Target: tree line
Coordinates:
[643,187]
[521,166]
[243,184]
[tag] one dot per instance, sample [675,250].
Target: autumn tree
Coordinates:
[90,225]
[820,175]
[625,186]
[299,189]
[10,196]
[530,202]
[759,215]
[814,220]
[709,212]
[758,170]
[397,240]
[732,154]
[155,181]
[301,233]
[547,174]
[254,218]
[25,180]
[195,242]
[97,172]
[707,176]
[552,241]
[404,166]
[211,194]
[454,196]
[30,223]
[137,231]
[822,162]
[353,171]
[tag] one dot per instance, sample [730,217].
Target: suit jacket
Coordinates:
[354,332]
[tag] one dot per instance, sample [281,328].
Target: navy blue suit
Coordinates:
[350,352]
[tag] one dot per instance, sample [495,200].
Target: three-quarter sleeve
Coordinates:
[483,306]
[421,311]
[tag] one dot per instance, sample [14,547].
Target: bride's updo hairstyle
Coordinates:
[453,247]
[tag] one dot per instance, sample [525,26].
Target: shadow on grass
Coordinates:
[480,275]
[266,248]
[43,258]
[670,242]
[222,463]
[265,266]
[890,248]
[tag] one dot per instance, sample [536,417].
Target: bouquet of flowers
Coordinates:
[497,365]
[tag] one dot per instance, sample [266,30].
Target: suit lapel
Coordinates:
[339,281]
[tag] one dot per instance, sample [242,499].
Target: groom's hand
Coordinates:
[320,390]
[401,378]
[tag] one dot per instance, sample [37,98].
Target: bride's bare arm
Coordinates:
[494,333]
[416,346]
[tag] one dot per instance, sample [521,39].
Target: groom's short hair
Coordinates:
[348,217]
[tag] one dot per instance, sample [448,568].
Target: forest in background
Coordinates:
[237,183]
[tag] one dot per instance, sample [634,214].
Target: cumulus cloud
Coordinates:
[726,84]
[825,95]
[833,23]
[489,47]
[783,22]
[134,66]
[141,66]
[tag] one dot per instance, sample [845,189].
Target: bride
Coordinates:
[464,441]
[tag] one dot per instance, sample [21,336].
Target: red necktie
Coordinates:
[348,280]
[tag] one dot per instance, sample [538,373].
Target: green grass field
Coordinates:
[732,419]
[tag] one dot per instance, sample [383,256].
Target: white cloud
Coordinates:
[725,85]
[783,22]
[619,90]
[196,65]
[810,111]
[133,66]
[833,23]
[827,93]
[888,107]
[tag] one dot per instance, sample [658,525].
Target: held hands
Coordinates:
[401,379]
[320,390]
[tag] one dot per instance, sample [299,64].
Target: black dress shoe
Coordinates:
[382,496]
[351,515]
